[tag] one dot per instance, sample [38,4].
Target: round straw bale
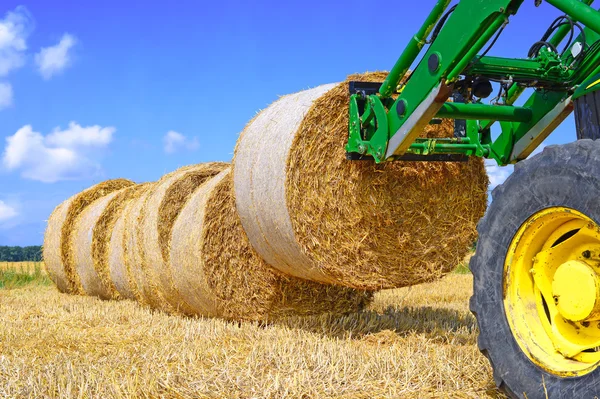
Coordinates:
[139,282]
[101,217]
[119,269]
[218,273]
[51,249]
[313,214]
[159,212]
[82,238]
[58,250]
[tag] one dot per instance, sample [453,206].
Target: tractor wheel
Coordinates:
[536,289]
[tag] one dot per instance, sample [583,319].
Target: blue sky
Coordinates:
[97,90]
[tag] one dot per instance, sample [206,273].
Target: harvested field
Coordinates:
[416,342]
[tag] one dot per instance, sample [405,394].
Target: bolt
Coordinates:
[362,149]
[433,62]
[379,152]
[401,108]
[598,325]
[555,299]
[586,254]
[585,324]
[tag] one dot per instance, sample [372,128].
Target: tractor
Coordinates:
[536,288]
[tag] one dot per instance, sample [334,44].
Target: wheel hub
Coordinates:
[552,291]
[576,291]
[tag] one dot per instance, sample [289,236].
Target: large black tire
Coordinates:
[566,175]
[587,116]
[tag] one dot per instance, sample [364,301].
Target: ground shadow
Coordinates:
[434,322]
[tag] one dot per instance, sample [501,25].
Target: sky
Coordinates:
[91,91]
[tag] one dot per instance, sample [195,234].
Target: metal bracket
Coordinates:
[353,156]
[424,112]
[538,133]
[365,88]
[460,125]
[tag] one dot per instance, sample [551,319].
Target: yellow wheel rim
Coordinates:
[552,291]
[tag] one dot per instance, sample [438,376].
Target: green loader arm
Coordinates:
[454,76]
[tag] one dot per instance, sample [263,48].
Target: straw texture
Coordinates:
[82,238]
[219,274]
[51,249]
[101,237]
[140,280]
[161,208]
[119,268]
[57,240]
[311,213]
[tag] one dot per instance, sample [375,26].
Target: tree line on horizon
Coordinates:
[21,254]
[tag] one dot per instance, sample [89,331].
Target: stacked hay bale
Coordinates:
[178,245]
[312,214]
[118,269]
[91,237]
[141,286]
[293,228]
[58,246]
[83,236]
[158,212]
[217,272]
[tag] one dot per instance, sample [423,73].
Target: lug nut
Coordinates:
[586,254]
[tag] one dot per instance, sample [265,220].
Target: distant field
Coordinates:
[417,342]
[23,267]
[19,274]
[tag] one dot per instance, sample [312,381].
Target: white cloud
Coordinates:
[14,31]
[54,59]
[6,95]
[175,141]
[78,136]
[6,212]
[497,174]
[62,155]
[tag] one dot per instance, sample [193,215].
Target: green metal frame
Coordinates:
[392,120]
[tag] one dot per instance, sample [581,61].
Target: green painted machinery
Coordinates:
[454,77]
[536,269]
